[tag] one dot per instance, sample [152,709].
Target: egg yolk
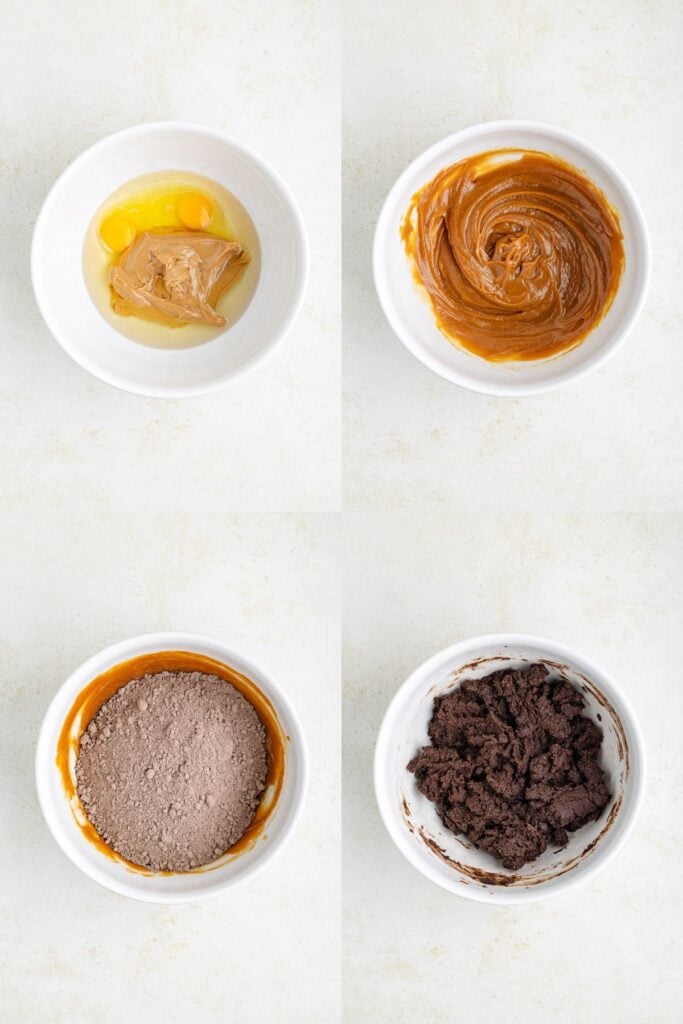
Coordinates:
[158,209]
[117,232]
[194,211]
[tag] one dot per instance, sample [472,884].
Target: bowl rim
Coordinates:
[222,380]
[121,651]
[502,895]
[510,389]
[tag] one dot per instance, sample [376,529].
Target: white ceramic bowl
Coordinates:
[449,860]
[169,888]
[410,314]
[57,258]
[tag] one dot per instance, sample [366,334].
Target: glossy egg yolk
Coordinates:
[117,232]
[158,210]
[194,211]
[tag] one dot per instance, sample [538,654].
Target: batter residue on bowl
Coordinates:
[514,764]
[519,253]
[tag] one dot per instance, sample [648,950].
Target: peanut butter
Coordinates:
[175,277]
[520,254]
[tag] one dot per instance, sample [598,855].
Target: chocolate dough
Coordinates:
[520,258]
[514,764]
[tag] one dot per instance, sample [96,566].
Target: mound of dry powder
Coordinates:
[171,769]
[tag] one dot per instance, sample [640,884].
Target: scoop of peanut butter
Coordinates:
[175,277]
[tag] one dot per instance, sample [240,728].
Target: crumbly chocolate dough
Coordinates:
[520,254]
[514,764]
[171,769]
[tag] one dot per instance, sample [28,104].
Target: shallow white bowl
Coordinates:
[449,860]
[170,888]
[57,258]
[409,312]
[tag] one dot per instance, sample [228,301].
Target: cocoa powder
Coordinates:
[171,769]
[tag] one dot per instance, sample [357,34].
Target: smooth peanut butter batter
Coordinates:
[519,253]
[175,277]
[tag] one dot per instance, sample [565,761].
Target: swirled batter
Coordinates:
[519,253]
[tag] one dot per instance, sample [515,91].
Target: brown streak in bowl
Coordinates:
[496,878]
[99,690]
[455,675]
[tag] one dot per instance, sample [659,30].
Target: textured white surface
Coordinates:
[120,515]
[558,515]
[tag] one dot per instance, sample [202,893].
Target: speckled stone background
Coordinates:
[559,515]
[120,515]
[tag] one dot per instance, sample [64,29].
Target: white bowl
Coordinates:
[169,888]
[57,258]
[410,314]
[449,860]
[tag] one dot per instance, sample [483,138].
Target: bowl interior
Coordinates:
[57,259]
[166,888]
[409,312]
[450,860]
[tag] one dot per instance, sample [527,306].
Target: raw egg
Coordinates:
[117,232]
[195,211]
[159,208]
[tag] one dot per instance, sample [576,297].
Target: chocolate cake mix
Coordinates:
[513,764]
[172,768]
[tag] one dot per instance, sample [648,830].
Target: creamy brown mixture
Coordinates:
[521,256]
[175,277]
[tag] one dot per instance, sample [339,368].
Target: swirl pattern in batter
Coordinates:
[520,254]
